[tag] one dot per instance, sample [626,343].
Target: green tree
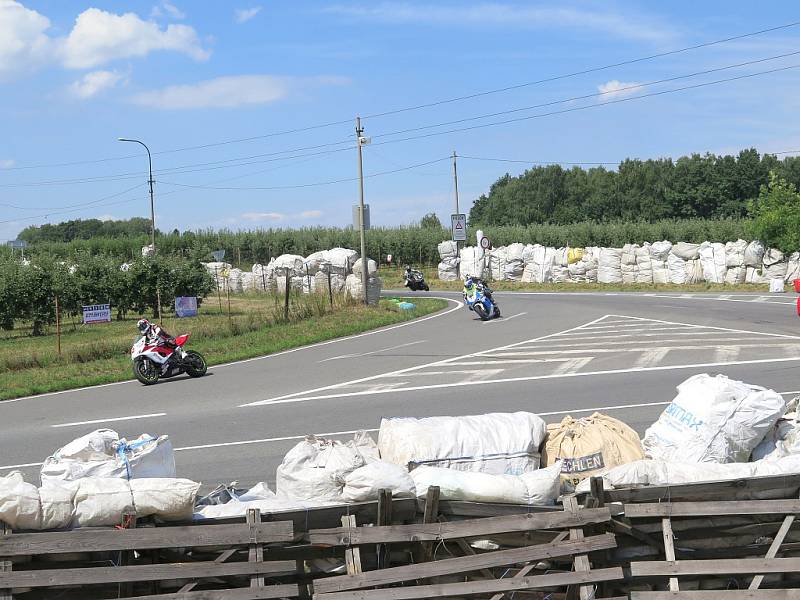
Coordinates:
[776,215]
[430,221]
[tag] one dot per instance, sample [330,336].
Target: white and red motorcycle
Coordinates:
[152,361]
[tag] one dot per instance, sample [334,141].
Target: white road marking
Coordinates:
[725,353]
[652,357]
[579,349]
[373,352]
[573,365]
[458,306]
[111,420]
[762,333]
[406,370]
[294,398]
[682,341]
[504,319]
[509,361]
[654,327]
[22,466]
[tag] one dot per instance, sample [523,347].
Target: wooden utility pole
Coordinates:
[364,267]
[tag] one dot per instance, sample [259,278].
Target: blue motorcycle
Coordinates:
[478,298]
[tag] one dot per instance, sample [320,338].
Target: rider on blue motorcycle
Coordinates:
[473,284]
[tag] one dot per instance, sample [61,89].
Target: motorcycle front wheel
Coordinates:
[481,310]
[195,364]
[145,370]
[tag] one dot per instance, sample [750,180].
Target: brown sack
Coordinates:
[589,446]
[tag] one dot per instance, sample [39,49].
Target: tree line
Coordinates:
[84,229]
[698,186]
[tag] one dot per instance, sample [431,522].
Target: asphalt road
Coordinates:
[553,354]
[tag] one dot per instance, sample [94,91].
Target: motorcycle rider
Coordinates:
[155,334]
[473,284]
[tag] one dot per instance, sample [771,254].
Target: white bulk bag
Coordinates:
[793,267]
[315,469]
[540,487]
[694,271]
[686,251]
[364,483]
[358,271]
[735,275]
[497,259]
[609,269]
[57,500]
[448,269]
[472,260]
[734,253]
[774,264]
[103,454]
[101,502]
[340,260]
[354,288]
[712,258]
[447,249]
[294,263]
[498,443]
[19,502]
[314,262]
[754,254]
[677,269]
[644,264]
[713,419]
[560,274]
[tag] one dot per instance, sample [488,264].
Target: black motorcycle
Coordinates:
[415,280]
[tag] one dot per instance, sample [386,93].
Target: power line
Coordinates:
[95,203]
[429,104]
[587,107]
[306,185]
[535,162]
[73,205]
[628,88]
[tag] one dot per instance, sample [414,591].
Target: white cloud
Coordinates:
[99,37]
[105,218]
[242,15]
[230,91]
[618,89]
[23,41]
[311,214]
[7,163]
[170,10]
[510,15]
[95,82]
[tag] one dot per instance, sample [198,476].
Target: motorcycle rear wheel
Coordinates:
[195,364]
[145,371]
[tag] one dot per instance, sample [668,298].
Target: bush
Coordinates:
[776,215]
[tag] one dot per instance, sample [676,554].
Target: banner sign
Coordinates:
[96,313]
[186,306]
[459,227]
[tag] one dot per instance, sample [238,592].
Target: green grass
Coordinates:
[96,354]
[393,279]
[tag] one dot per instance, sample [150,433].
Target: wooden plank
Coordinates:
[465,564]
[430,515]
[622,527]
[597,491]
[707,509]
[220,559]
[775,486]
[352,556]
[460,508]
[384,519]
[98,575]
[255,552]
[478,587]
[419,532]
[152,538]
[272,591]
[581,561]
[669,550]
[773,548]
[719,595]
[740,566]
[468,550]
[5,593]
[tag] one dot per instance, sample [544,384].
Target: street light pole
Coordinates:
[364,266]
[152,213]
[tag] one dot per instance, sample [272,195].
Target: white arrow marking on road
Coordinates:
[373,352]
[110,420]
[504,319]
[651,357]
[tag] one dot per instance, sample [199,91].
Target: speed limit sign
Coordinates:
[485,243]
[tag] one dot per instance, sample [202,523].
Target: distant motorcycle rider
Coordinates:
[473,284]
[155,334]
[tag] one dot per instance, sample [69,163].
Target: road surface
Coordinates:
[552,353]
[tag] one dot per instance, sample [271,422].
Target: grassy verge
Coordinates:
[98,354]
[393,279]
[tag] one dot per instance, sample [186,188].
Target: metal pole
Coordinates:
[364,269]
[152,216]
[458,244]
[58,328]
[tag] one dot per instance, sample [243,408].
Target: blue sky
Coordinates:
[76,75]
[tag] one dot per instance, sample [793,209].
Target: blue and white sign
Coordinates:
[186,306]
[96,313]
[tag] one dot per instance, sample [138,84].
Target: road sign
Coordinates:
[218,255]
[485,243]
[186,306]
[96,313]
[17,244]
[459,227]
